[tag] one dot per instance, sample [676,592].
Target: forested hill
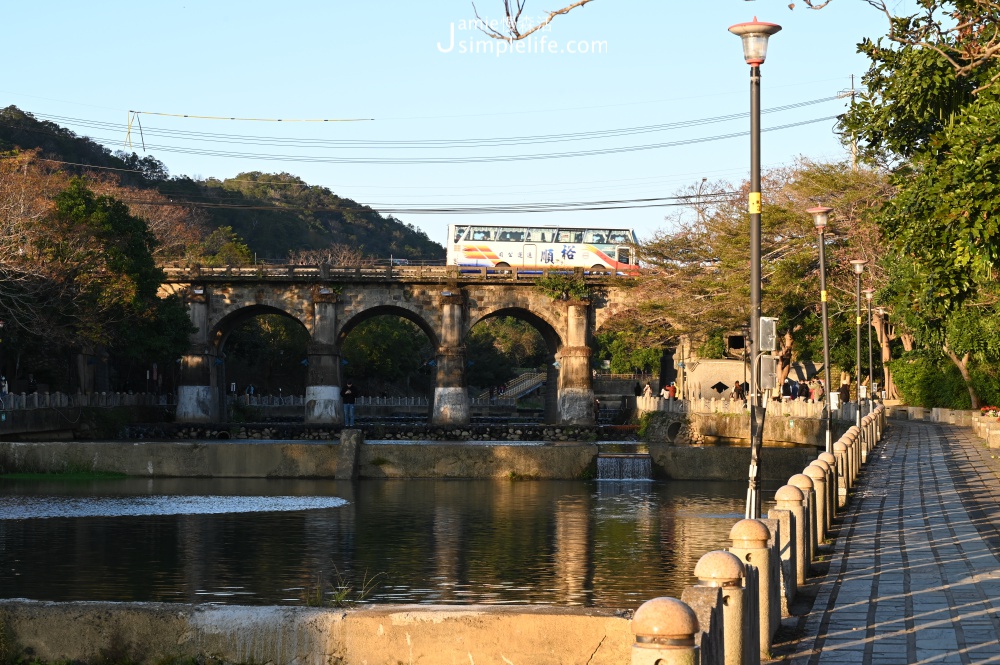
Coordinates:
[273,213]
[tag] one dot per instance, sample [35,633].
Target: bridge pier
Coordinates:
[576,389]
[197,394]
[323,402]
[451,396]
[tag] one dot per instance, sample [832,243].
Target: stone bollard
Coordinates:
[785,555]
[750,546]
[817,472]
[840,452]
[725,571]
[791,498]
[850,456]
[805,483]
[831,483]
[664,630]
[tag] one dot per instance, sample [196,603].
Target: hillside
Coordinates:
[273,213]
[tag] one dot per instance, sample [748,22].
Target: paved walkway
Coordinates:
[915,574]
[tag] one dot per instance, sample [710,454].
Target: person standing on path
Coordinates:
[349,395]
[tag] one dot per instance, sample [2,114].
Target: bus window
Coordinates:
[511,235]
[539,235]
[596,237]
[460,232]
[623,256]
[619,238]
[570,235]
[482,233]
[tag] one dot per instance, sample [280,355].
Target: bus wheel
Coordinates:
[598,268]
[503,267]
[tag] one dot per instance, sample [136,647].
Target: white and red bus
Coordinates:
[540,247]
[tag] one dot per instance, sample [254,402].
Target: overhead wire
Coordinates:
[438,144]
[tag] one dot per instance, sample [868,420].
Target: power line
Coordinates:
[435,144]
[514,208]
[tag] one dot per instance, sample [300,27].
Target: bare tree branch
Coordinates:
[512,16]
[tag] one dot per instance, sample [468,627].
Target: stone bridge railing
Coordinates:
[789,409]
[731,616]
[176,273]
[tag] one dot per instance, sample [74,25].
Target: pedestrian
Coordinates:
[795,390]
[597,409]
[672,391]
[3,385]
[804,390]
[738,392]
[820,391]
[664,393]
[647,390]
[786,390]
[349,395]
[845,393]
[32,384]
[250,390]
[638,389]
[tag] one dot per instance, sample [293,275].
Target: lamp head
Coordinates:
[869,293]
[859,265]
[821,216]
[754,35]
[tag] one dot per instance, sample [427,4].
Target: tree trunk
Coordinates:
[884,337]
[963,367]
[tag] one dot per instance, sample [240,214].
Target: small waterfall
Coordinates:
[635,466]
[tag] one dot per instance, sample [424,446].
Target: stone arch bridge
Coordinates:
[443,301]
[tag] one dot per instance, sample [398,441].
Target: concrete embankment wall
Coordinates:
[148,632]
[246,459]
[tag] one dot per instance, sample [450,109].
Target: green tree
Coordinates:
[699,285]
[930,111]
[387,350]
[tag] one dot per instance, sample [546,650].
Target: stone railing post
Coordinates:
[817,472]
[724,571]
[750,546]
[786,556]
[664,630]
[831,483]
[791,498]
[850,453]
[805,483]
[840,452]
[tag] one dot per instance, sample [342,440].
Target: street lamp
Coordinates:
[754,35]
[821,216]
[859,268]
[869,294]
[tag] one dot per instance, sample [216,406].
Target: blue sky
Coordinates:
[656,62]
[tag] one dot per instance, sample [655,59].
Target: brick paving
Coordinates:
[915,571]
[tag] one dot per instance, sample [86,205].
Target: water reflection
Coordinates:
[610,544]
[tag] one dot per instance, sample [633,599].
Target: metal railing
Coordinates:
[59,400]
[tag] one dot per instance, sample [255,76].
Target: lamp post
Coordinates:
[754,35]
[859,268]
[869,294]
[821,216]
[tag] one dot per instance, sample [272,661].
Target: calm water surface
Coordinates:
[607,544]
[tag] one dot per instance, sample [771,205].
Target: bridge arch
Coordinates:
[553,343]
[413,317]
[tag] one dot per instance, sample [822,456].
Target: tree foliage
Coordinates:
[700,282]
[930,111]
